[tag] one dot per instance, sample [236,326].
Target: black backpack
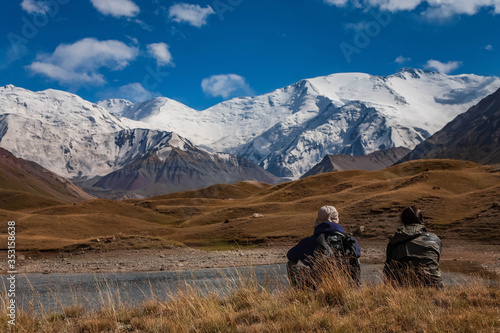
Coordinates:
[342,249]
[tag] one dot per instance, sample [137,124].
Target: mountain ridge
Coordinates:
[455,196]
[372,162]
[85,142]
[289,130]
[286,132]
[473,135]
[177,165]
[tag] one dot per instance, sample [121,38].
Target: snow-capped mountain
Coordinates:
[75,138]
[291,129]
[64,133]
[116,106]
[287,131]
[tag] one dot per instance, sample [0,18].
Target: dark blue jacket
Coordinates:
[307,245]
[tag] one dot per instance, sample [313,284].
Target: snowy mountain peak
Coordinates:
[116,106]
[291,129]
[413,73]
[286,131]
[60,131]
[49,106]
[155,107]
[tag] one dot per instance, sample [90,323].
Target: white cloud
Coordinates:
[78,63]
[434,9]
[446,68]
[488,47]
[393,5]
[339,3]
[447,8]
[135,92]
[33,6]
[160,52]
[192,14]
[225,86]
[402,60]
[66,76]
[116,8]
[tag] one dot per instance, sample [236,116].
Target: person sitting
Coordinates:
[413,253]
[329,241]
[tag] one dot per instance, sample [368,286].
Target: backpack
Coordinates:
[342,249]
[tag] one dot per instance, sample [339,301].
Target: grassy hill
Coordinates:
[459,200]
[25,185]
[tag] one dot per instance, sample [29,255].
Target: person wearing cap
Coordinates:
[299,256]
[413,253]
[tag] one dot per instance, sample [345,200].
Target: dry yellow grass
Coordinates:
[246,306]
[454,196]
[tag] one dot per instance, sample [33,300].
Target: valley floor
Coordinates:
[466,258]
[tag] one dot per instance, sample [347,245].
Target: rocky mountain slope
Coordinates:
[473,135]
[372,162]
[176,166]
[291,129]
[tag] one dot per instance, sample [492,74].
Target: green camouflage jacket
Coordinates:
[413,257]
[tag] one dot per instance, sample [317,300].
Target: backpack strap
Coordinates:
[349,244]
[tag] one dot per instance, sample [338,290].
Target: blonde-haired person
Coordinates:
[329,237]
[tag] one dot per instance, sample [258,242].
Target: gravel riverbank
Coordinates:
[184,258]
[180,258]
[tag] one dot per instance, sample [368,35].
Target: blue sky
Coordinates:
[203,52]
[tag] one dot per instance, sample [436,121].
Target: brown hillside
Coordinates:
[459,200]
[27,185]
[372,162]
[239,190]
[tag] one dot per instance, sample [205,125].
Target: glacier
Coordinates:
[291,129]
[286,131]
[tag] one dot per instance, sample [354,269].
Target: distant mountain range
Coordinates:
[372,162]
[473,135]
[83,141]
[176,166]
[290,130]
[115,148]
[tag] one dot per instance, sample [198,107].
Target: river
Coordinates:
[51,292]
